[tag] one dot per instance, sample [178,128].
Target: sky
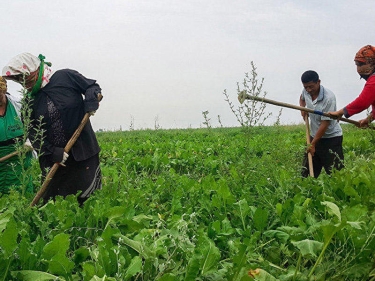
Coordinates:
[162,63]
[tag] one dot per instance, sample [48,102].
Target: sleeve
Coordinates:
[41,145]
[91,98]
[363,101]
[88,87]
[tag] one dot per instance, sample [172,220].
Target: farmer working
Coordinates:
[56,100]
[365,62]
[11,132]
[326,134]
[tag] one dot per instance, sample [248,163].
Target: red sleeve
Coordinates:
[364,100]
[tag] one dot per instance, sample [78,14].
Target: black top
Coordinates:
[62,107]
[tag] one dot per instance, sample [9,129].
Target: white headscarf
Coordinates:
[24,64]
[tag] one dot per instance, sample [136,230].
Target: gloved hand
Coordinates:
[92,113]
[65,157]
[27,145]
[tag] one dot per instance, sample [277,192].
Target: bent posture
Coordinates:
[326,134]
[57,108]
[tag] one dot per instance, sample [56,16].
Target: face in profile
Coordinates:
[364,68]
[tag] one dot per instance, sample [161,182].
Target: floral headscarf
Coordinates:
[366,55]
[26,63]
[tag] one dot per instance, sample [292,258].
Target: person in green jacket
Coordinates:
[11,132]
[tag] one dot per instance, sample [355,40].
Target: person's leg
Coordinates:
[335,157]
[317,166]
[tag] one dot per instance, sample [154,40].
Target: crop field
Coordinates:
[202,205]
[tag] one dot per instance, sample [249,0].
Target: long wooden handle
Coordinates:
[56,166]
[10,155]
[14,153]
[244,96]
[309,156]
[67,148]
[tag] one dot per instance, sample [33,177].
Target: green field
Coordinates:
[202,204]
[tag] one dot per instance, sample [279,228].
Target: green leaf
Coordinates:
[262,275]
[31,275]
[8,239]
[211,256]
[355,224]
[134,267]
[260,219]
[333,209]
[192,269]
[280,235]
[54,253]
[308,248]
[139,247]
[5,218]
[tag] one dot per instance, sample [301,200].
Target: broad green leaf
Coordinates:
[5,217]
[58,246]
[8,238]
[260,219]
[239,260]
[54,253]
[211,256]
[134,267]
[32,275]
[192,269]
[281,235]
[308,248]
[333,209]
[114,213]
[262,275]
[139,247]
[355,224]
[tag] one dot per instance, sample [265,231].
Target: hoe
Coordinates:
[243,96]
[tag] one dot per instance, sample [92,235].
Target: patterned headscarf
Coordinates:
[26,63]
[366,55]
[3,84]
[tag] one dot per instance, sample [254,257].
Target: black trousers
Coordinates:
[77,176]
[328,155]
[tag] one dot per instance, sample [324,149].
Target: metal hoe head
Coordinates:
[242,96]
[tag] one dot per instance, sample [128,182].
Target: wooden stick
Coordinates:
[309,156]
[10,155]
[243,96]
[56,166]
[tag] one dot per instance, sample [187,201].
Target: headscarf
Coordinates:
[366,54]
[3,84]
[26,63]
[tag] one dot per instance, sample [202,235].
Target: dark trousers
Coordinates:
[78,176]
[328,155]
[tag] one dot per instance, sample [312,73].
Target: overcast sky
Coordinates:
[163,62]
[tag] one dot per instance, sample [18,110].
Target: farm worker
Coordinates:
[11,132]
[57,108]
[325,134]
[365,62]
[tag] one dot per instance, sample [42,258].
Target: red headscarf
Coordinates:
[366,55]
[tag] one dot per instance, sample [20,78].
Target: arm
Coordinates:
[319,134]
[302,103]
[88,87]
[363,101]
